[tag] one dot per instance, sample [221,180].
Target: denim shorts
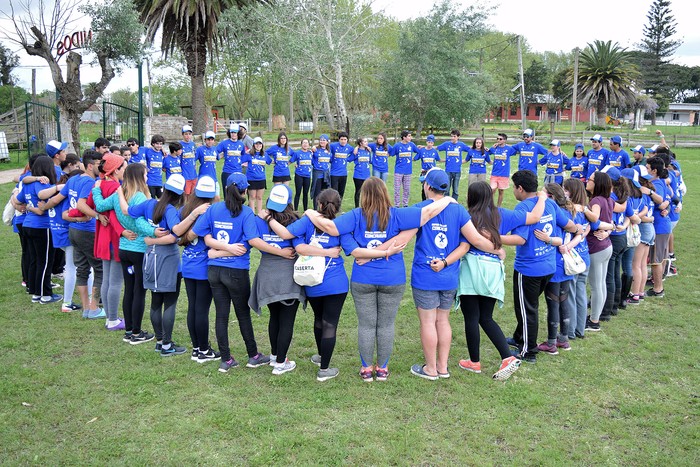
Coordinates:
[432,299]
[646,229]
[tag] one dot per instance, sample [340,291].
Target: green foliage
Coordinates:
[168,93]
[8,61]
[537,79]
[10,94]
[116,31]
[657,33]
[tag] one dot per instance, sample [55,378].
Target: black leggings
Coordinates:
[478,310]
[59,260]
[318,184]
[338,183]
[134,301]
[24,244]
[301,185]
[156,191]
[281,327]
[358,187]
[232,285]
[40,260]
[326,316]
[199,299]
[163,306]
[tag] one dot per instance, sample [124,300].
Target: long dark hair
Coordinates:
[577,191]
[234,200]
[622,188]
[168,198]
[190,205]
[44,167]
[286,144]
[374,200]
[559,197]
[483,146]
[328,204]
[385,145]
[65,177]
[285,217]
[602,185]
[485,216]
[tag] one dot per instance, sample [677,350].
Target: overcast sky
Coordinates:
[547,25]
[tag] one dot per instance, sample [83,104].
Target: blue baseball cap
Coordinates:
[324,136]
[597,137]
[206,187]
[529,133]
[53,147]
[579,146]
[555,142]
[613,172]
[616,139]
[643,172]
[633,175]
[430,138]
[237,179]
[280,197]
[639,148]
[437,179]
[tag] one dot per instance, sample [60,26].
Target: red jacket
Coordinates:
[107,238]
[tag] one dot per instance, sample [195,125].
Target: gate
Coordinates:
[42,122]
[119,123]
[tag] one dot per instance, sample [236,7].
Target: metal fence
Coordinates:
[42,122]
[120,123]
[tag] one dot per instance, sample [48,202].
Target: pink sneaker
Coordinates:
[546,347]
[563,345]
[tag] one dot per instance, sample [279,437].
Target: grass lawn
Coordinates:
[72,393]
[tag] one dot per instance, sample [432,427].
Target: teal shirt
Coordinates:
[140,226]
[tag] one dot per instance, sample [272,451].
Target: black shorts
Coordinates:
[257,184]
[281,178]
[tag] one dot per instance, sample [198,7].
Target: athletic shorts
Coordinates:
[257,184]
[190,186]
[473,178]
[499,182]
[432,299]
[281,178]
[659,251]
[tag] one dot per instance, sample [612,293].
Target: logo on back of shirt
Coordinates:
[222,236]
[373,244]
[441,240]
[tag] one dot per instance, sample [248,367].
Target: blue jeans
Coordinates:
[383,175]
[627,261]
[579,304]
[454,184]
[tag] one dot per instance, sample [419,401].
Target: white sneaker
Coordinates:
[273,360]
[282,368]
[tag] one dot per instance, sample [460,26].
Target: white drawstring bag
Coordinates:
[309,270]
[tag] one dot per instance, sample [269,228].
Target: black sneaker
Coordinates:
[173,349]
[672,271]
[652,293]
[141,337]
[127,337]
[591,326]
[159,346]
[671,257]
[208,356]
[195,352]
[227,365]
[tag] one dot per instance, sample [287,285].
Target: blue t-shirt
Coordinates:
[478,159]
[555,163]
[195,258]
[453,155]
[29,196]
[509,220]
[322,159]
[578,167]
[404,156]
[619,159]
[662,224]
[269,236]
[304,163]
[335,281]
[231,152]
[339,159]
[171,216]
[582,247]
[256,166]
[187,160]
[618,218]
[363,161]
[673,215]
[172,165]
[560,274]
[154,163]
[439,237]
[207,161]
[535,258]
[138,157]
[501,160]
[380,156]
[79,187]
[280,157]
[596,160]
[59,227]
[219,223]
[528,155]
[428,157]
[378,271]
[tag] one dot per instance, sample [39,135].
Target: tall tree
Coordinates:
[8,62]
[657,47]
[189,26]
[113,45]
[606,77]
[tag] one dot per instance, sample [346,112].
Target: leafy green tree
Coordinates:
[11,95]
[189,26]
[537,79]
[8,62]
[606,77]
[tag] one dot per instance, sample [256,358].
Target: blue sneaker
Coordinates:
[173,349]
[511,342]
[97,314]
[419,370]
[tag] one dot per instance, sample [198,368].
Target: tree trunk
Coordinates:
[290,125]
[269,110]
[339,99]
[326,102]
[195,52]
[74,120]
[601,111]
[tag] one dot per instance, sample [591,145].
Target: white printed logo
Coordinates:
[373,244]
[547,229]
[52,213]
[441,240]
[222,236]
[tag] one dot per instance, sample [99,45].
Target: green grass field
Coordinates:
[72,393]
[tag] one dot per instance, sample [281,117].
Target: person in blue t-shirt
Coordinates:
[534,263]
[578,165]
[381,150]
[154,163]
[172,163]
[362,157]
[57,152]
[403,151]
[454,158]
[187,160]
[429,157]
[227,228]
[500,154]
[478,157]
[302,173]
[529,150]
[137,153]
[662,197]
[618,157]
[280,154]
[597,155]
[556,161]
[257,162]
[206,156]
[340,151]
[321,177]
[231,150]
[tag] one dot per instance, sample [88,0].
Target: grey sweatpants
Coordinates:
[376,307]
[112,280]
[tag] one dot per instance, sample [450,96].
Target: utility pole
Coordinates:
[33,84]
[523,109]
[574,100]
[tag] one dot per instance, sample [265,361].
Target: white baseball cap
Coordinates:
[280,196]
[206,187]
[175,183]
[209,134]
[186,128]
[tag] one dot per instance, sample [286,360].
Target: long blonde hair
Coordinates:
[134,181]
[374,199]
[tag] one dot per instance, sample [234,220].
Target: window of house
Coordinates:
[513,111]
[538,110]
[676,117]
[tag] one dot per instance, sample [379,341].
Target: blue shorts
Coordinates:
[432,299]
[646,229]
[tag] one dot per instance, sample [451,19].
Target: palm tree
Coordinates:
[189,26]
[606,77]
